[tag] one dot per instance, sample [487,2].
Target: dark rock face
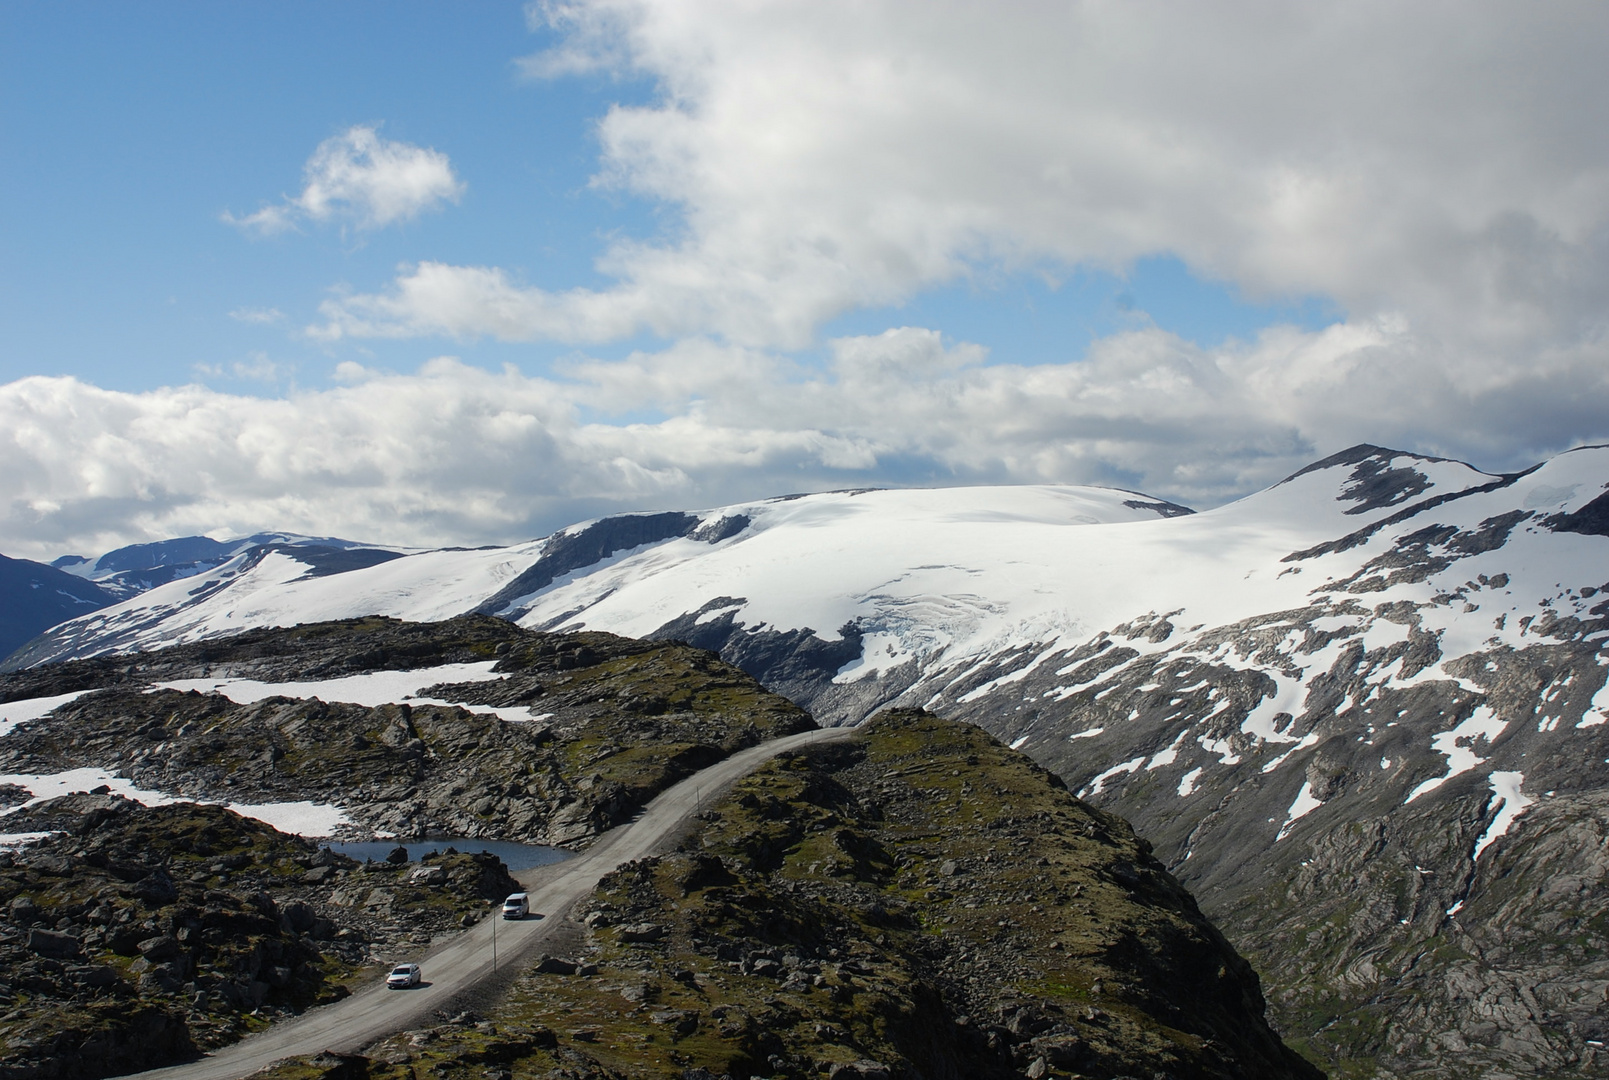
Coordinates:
[34,597]
[623,720]
[1158,507]
[1414,862]
[1376,480]
[568,551]
[1591,520]
[795,663]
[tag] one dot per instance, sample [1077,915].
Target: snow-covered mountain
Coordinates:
[649,573]
[1362,713]
[129,571]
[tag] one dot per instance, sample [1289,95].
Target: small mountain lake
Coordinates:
[515,856]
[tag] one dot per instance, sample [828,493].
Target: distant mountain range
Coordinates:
[129,571]
[34,597]
[1362,714]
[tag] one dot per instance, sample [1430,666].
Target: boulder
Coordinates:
[680,1021]
[556,965]
[297,917]
[428,875]
[55,945]
[159,949]
[860,1070]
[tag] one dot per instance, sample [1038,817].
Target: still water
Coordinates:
[516,857]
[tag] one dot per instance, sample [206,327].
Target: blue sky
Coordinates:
[131,129]
[666,255]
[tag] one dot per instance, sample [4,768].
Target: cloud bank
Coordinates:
[454,454]
[358,178]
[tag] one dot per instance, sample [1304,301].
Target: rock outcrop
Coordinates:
[620,721]
[137,937]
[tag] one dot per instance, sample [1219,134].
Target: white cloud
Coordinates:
[360,178]
[1398,159]
[455,454]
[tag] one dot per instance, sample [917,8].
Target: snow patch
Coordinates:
[11,841]
[303,818]
[13,713]
[1310,739]
[1096,785]
[1511,803]
[1187,783]
[1483,723]
[1597,710]
[1301,806]
[1168,756]
[370,689]
[1226,753]
[1090,734]
[42,786]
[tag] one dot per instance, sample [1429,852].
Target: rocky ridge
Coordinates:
[919,902]
[621,720]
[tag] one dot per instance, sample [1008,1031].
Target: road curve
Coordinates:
[457,965]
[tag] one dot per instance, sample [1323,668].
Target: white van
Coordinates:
[517,906]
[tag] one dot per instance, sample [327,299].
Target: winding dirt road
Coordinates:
[466,960]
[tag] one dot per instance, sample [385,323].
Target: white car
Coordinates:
[403,976]
[517,906]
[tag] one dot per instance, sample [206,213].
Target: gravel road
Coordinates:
[458,965]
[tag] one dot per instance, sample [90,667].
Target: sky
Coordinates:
[432,273]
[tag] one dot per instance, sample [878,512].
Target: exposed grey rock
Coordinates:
[52,944]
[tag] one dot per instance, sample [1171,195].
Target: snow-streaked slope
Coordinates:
[138,568]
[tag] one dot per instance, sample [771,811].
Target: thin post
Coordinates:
[495,915]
